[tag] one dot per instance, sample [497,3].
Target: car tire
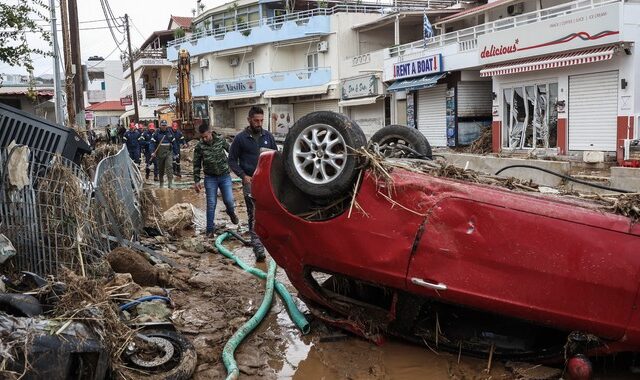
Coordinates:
[395,135]
[318,154]
[182,365]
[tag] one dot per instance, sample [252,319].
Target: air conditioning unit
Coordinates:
[323,47]
[234,61]
[204,63]
[515,9]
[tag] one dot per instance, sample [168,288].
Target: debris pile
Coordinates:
[622,204]
[90,161]
[179,218]
[482,145]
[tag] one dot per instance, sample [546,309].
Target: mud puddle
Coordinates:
[223,297]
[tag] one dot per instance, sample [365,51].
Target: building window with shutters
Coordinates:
[312,62]
[530,117]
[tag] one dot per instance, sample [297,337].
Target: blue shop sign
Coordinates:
[418,67]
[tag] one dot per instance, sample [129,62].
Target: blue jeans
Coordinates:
[211,185]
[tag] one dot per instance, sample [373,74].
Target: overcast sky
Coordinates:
[146,16]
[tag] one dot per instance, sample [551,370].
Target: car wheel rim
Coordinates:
[163,358]
[319,154]
[392,147]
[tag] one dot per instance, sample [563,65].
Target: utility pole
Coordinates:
[56,64]
[133,79]
[76,58]
[68,71]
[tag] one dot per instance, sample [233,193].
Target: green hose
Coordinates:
[229,349]
[296,316]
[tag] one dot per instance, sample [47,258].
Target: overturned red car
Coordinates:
[467,267]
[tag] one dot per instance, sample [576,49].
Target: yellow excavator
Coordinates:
[184,100]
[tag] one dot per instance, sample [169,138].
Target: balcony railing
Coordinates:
[302,17]
[468,38]
[162,93]
[146,54]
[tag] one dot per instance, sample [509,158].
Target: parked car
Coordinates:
[465,267]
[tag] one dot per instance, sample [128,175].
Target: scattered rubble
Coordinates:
[124,260]
[179,218]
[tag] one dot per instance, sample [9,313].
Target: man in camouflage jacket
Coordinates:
[209,156]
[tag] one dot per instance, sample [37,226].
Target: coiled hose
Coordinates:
[296,316]
[229,349]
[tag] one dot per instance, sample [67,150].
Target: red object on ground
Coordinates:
[579,368]
[548,260]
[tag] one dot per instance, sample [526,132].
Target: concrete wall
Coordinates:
[626,178]
[490,165]
[378,39]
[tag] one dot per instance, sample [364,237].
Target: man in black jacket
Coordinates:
[243,159]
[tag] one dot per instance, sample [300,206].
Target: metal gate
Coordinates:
[50,221]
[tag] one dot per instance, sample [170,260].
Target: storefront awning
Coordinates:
[358,102]
[242,95]
[302,91]
[418,83]
[550,61]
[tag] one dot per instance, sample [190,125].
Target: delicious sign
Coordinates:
[418,67]
[589,28]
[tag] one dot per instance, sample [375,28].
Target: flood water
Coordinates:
[327,353]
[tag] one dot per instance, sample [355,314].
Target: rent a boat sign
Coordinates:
[418,67]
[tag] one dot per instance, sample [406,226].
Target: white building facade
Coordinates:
[555,75]
[295,62]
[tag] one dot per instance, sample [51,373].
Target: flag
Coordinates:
[427,29]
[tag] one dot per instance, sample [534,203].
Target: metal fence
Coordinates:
[118,186]
[49,220]
[62,218]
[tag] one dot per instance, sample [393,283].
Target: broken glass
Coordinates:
[518,119]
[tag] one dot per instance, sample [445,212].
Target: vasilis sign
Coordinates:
[418,67]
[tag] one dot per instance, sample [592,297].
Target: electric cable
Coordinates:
[112,27]
[567,177]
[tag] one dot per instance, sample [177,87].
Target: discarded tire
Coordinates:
[393,139]
[177,362]
[318,153]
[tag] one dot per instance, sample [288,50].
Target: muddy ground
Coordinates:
[213,298]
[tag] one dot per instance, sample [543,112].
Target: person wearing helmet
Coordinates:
[145,140]
[162,149]
[180,140]
[132,140]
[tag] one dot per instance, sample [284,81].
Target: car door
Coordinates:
[526,257]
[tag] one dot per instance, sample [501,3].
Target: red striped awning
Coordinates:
[550,61]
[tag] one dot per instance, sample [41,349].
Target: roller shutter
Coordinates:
[301,109]
[474,99]
[432,114]
[593,111]
[369,117]
[241,117]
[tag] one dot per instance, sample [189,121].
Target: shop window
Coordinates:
[530,116]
